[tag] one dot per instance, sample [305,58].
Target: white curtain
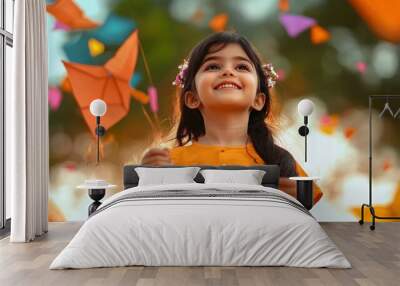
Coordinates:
[27,159]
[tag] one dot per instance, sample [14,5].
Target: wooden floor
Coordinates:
[374,255]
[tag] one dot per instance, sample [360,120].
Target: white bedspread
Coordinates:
[182,231]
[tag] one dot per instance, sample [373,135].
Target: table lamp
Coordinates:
[97,188]
[305,108]
[305,184]
[98,108]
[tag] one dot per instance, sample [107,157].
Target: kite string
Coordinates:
[146,66]
[147,69]
[146,114]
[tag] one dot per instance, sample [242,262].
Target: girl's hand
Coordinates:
[157,157]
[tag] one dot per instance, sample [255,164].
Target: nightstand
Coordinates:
[305,190]
[96,191]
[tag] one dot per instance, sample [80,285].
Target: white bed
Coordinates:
[201,224]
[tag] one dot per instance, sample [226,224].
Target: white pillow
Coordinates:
[164,176]
[248,177]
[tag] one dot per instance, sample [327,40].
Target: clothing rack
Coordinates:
[370,205]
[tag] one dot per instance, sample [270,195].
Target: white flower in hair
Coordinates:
[270,74]
[180,77]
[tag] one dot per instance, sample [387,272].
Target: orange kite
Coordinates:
[68,13]
[109,83]
[382,16]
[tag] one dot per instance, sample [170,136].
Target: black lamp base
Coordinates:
[304,131]
[305,193]
[96,195]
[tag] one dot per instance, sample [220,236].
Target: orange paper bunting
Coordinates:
[69,14]
[140,96]
[109,83]
[283,5]
[319,35]
[382,17]
[218,22]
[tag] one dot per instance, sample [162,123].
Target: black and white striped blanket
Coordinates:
[205,194]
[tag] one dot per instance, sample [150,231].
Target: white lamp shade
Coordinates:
[305,107]
[98,107]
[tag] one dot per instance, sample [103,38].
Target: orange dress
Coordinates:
[203,154]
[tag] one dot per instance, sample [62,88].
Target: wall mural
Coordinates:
[127,52]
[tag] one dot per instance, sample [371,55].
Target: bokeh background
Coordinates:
[336,53]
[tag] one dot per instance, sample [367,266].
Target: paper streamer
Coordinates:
[55,98]
[153,97]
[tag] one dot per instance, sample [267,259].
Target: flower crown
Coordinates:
[269,72]
[180,77]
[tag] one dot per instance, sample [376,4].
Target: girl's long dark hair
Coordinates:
[191,124]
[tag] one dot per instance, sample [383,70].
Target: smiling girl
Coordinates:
[224,104]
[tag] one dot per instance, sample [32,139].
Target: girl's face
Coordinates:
[227,80]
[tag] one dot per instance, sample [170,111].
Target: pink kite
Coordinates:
[296,24]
